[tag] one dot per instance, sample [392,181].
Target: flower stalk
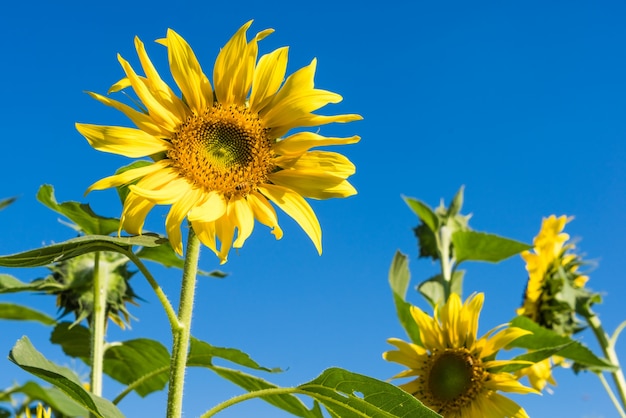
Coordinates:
[182,331]
[98,325]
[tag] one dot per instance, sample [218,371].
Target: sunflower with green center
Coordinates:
[456,372]
[219,153]
[553,271]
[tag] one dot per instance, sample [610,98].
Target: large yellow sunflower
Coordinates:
[457,372]
[219,155]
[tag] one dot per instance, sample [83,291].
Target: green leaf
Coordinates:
[23,313]
[346,395]
[542,338]
[57,400]
[480,246]
[28,358]
[286,402]
[399,277]
[6,202]
[142,362]
[79,213]
[424,212]
[433,289]
[9,284]
[165,255]
[74,340]
[533,357]
[201,354]
[78,246]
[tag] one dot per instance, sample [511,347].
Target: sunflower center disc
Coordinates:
[225,149]
[450,376]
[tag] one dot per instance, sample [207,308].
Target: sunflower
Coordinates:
[457,374]
[40,411]
[553,277]
[219,153]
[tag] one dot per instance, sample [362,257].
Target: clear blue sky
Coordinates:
[522,102]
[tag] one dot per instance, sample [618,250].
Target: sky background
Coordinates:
[524,103]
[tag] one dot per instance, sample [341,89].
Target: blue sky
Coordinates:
[524,103]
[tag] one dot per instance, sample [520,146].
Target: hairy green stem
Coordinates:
[608,348]
[98,324]
[248,396]
[182,331]
[446,263]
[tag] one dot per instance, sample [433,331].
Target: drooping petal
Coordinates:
[313,184]
[242,216]
[225,231]
[187,73]
[212,207]
[264,212]
[299,143]
[177,214]
[206,233]
[295,206]
[130,142]
[136,209]
[127,176]
[268,76]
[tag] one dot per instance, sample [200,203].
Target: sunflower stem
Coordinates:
[608,348]
[97,325]
[614,399]
[182,331]
[444,257]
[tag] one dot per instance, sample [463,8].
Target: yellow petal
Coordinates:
[206,233]
[268,76]
[322,161]
[310,119]
[177,214]
[161,113]
[296,207]
[241,215]
[127,176]
[265,213]
[301,142]
[187,73]
[159,88]
[212,207]
[502,339]
[313,184]
[225,231]
[163,187]
[140,119]
[129,142]
[134,214]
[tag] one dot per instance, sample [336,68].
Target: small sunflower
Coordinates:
[456,372]
[219,152]
[40,412]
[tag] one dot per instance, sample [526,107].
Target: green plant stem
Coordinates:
[167,306]
[444,257]
[182,331]
[248,396]
[608,348]
[608,389]
[97,325]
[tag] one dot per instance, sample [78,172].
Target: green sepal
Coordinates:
[9,284]
[77,246]
[28,358]
[481,246]
[423,212]
[79,213]
[399,277]
[543,338]
[23,313]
